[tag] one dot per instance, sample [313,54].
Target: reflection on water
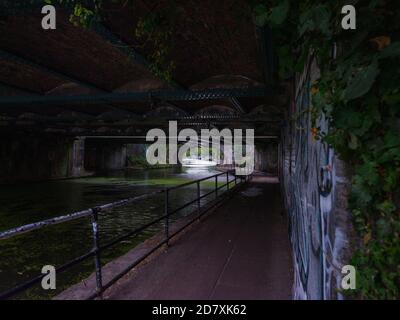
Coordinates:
[22,257]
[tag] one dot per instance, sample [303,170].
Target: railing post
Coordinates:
[227,180]
[216,187]
[198,197]
[166,213]
[235,180]
[96,251]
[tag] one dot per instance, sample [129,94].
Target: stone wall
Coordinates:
[136,150]
[315,184]
[105,155]
[266,158]
[36,158]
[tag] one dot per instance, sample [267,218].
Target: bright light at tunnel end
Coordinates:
[173,147]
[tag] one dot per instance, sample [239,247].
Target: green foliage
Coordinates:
[359,91]
[362,82]
[140,162]
[83,12]
[275,16]
[155,30]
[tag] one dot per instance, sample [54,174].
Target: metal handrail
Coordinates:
[72,216]
[93,213]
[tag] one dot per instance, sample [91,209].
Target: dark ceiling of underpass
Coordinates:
[219,73]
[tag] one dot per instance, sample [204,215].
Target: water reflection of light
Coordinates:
[198,163]
[197,171]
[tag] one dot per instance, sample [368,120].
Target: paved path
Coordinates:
[241,251]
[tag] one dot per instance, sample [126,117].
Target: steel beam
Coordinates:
[18,89]
[16,58]
[28,92]
[236,104]
[173,95]
[110,37]
[13,57]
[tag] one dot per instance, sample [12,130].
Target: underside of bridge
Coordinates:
[93,81]
[81,98]
[96,81]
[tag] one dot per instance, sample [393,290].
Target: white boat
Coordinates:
[197,163]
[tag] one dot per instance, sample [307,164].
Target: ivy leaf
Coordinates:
[391,51]
[279,13]
[387,207]
[381,42]
[274,18]
[316,18]
[390,180]
[318,100]
[286,62]
[368,173]
[391,99]
[353,143]
[261,13]
[362,82]
[261,19]
[361,191]
[322,17]
[306,22]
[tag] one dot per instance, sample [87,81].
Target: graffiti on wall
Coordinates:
[315,186]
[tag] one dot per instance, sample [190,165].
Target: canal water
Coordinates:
[22,257]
